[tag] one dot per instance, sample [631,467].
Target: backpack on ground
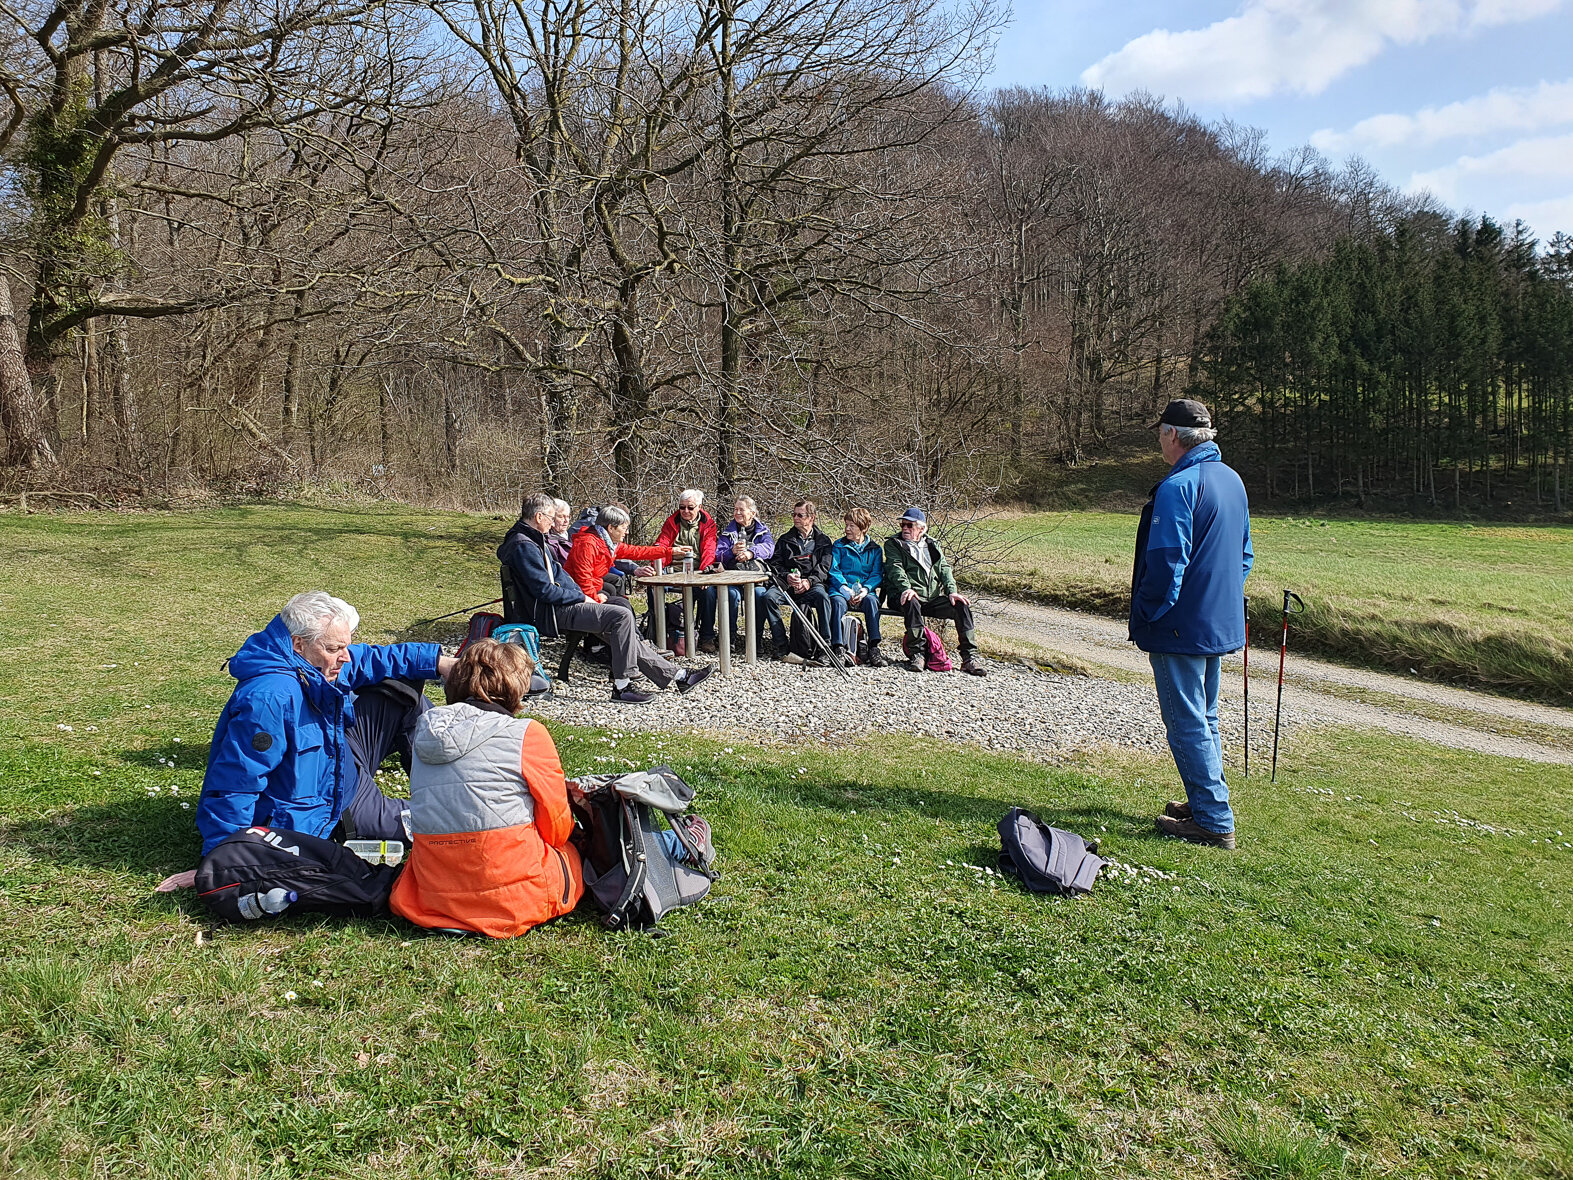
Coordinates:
[936,659]
[631,872]
[267,872]
[481,627]
[1046,859]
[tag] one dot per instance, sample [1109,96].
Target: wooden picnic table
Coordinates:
[721,579]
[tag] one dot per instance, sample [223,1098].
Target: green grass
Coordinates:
[1490,606]
[1358,991]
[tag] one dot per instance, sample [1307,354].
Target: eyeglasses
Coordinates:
[688,508]
[802,516]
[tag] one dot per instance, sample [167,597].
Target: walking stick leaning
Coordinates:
[450,614]
[1245,657]
[813,631]
[1283,650]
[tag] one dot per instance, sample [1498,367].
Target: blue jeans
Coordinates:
[1188,700]
[868,608]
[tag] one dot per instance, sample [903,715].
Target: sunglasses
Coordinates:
[687,508]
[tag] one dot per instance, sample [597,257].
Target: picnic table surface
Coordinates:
[686,582]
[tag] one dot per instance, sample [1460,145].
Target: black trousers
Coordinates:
[385,717]
[940,607]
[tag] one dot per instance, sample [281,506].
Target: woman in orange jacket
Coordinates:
[595,549]
[488,807]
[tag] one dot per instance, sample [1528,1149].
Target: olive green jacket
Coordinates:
[903,571]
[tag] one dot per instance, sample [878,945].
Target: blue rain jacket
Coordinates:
[279,758]
[862,564]
[1193,552]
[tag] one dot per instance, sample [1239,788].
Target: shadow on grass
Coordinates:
[148,835]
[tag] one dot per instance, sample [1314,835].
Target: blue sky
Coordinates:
[1469,99]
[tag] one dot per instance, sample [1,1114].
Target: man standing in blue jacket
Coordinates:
[310,721]
[1193,552]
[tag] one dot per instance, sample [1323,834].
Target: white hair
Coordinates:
[693,494]
[1191,436]
[611,516]
[562,506]
[309,614]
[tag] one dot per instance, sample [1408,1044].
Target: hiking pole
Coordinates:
[819,640]
[1245,656]
[450,614]
[1283,650]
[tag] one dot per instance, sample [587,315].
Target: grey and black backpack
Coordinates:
[633,873]
[1046,859]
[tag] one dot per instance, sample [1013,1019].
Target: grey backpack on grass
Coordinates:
[630,872]
[1046,859]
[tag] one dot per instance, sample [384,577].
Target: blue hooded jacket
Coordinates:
[279,757]
[1193,552]
[863,564]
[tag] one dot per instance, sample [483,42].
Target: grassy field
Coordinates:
[1490,606]
[1373,985]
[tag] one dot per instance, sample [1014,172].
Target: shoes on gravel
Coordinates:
[793,658]
[876,659]
[709,646]
[631,696]
[1189,829]
[693,678]
[973,668]
[916,663]
[1177,809]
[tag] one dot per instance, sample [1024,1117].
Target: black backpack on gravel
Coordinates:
[1046,859]
[630,872]
[267,872]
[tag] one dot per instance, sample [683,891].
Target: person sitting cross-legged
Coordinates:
[546,596]
[311,719]
[857,569]
[802,561]
[920,583]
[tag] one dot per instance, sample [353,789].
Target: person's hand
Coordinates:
[908,596]
[445,665]
[861,595]
[683,550]
[743,554]
[959,599]
[601,597]
[645,571]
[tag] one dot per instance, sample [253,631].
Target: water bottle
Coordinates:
[260,905]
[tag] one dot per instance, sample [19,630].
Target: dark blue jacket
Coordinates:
[540,585]
[279,758]
[1193,552]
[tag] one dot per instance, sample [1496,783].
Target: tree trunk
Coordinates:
[21,412]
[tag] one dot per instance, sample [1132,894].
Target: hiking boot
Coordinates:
[972,668]
[794,659]
[694,678]
[916,662]
[631,696]
[1177,809]
[709,646]
[1189,829]
[876,659]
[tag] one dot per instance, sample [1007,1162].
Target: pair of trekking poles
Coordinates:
[1297,607]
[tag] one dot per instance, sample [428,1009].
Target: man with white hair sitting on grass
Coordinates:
[310,721]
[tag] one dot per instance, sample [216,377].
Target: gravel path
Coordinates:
[1015,708]
[1100,641]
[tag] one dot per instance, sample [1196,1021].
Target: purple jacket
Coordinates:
[757,536]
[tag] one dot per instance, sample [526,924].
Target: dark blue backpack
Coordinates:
[1046,859]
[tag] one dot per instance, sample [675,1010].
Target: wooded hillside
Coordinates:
[445,250]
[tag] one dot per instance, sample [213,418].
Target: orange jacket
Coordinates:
[490,819]
[589,561]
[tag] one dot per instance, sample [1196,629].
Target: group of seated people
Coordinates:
[562,577]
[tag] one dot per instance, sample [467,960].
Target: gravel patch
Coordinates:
[1015,708]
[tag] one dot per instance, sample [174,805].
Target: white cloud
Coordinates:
[1505,109]
[1301,46]
[1544,217]
[1546,158]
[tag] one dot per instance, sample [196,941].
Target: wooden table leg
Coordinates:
[723,627]
[689,637]
[750,639]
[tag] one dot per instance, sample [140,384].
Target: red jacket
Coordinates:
[705,558]
[589,561]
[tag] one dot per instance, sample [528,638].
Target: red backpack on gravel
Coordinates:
[938,659]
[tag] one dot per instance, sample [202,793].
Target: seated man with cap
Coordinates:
[920,584]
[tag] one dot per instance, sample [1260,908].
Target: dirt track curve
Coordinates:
[1311,686]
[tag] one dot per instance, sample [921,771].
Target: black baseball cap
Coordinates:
[1184,412]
